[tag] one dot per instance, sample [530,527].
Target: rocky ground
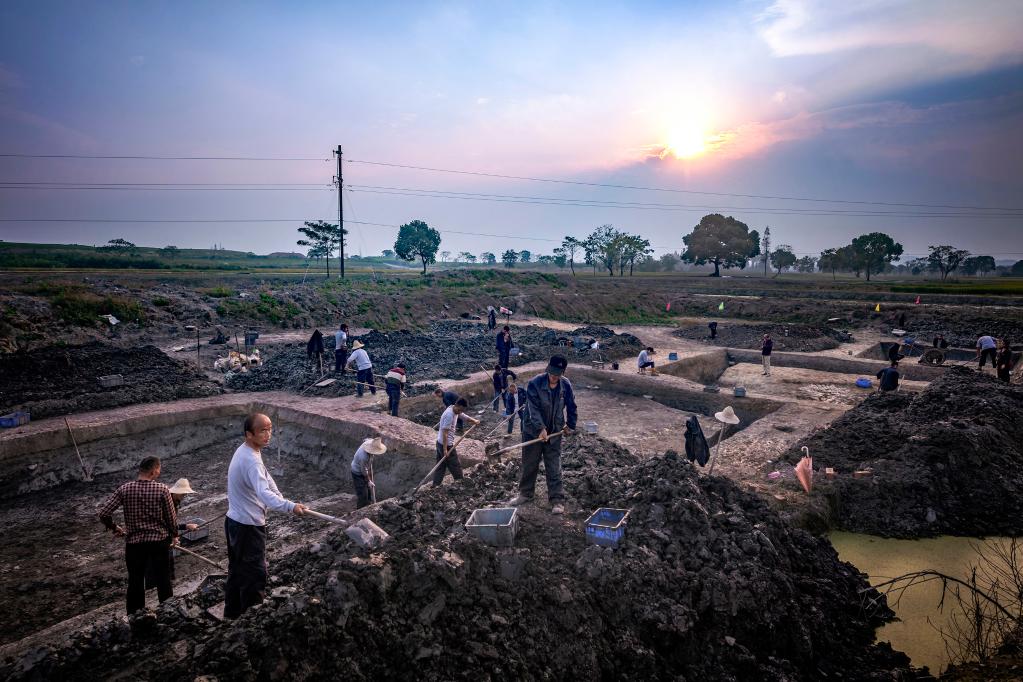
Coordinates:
[58,380]
[945,460]
[787,337]
[704,571]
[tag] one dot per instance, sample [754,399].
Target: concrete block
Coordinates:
[367,534]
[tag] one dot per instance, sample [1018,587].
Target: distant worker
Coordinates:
[448,398]
[178,491]
[940,342]
[250,492]
[504,346]
[889,378]
[446,441]
[341,349]
[645,360]
[550,415]
[514,402]
[362,470]
[491,318]
[713,327]
[893,353]
[902,321]
[986,347]
[500,379]
[364,369]
[394,382]
[152,527]
[1003,361]
[314,349]
[766,346]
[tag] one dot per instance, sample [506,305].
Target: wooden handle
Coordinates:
[444,458]
[522,445]
[325,517]
[199,556]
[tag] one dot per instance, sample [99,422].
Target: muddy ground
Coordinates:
[703,572]
[945,460]
[58,380]
[787,337]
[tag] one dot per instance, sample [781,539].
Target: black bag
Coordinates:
[696,443]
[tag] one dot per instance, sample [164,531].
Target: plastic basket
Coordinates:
[495,527]
[111,380]
[15,419]
[514,352]
[591,427]
[673,356]
[198,534]
[606,526]
[863,382]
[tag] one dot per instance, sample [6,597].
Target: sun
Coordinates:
[686,141]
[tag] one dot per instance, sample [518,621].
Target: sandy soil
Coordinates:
[794,383]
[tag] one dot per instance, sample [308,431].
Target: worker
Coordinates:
[902,321]
[251,490]
[315,346]
[940,342]
[713,327]
[513,404]
[491,318]
[986,348]
[504,346]
[893,353]
[446,441]
[889,378]
[364,369]
[550,415]
[341,349]
[150,528]
[394,382]
[362,470]
[1003,360]
[500,379]
[766,346]
[449,398]
[645,359]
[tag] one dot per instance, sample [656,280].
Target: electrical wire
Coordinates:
[145,157]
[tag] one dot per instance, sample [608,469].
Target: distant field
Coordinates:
[993,287]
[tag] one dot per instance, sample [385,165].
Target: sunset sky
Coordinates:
[918,104]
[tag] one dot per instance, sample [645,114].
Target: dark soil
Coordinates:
[946,460]
[446,350]
[787,337]
[60,380]
[708,584]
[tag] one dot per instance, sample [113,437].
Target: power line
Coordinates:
[161,158]
[165,184]
[675,190]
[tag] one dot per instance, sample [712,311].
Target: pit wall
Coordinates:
[704,368]
[323,431]
[908,370]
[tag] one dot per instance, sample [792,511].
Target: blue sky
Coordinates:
[887,101]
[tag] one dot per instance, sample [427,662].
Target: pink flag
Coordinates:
[918,300]
[668,307]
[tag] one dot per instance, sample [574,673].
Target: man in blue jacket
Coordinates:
[504,346]
[550,415]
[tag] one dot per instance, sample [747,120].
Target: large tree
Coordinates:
[718,240]
[946,259]
[765,247]
[806,264]
[417,240]
[875,250]
[603,246]
[525,256]
[488,257]
[830,259]
[509,258]
[782,258]
[321,238]
[978,264]
[633,248]
[571,246]
[754,252]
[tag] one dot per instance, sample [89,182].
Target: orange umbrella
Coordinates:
[804,470]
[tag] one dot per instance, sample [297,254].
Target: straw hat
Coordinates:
[357,345]
[374,446]
[181,487]
[727,416]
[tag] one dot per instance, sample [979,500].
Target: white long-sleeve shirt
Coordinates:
[251,490]
[361,359]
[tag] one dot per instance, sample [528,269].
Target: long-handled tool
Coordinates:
[380,376]
[198,556]
[444,458]
[373,484]
[314,383]
[503,422]
[206,523]
[325,517]
[522,445]
[85,472]
[717,445]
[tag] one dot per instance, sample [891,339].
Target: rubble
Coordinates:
[786,337]
[708,583]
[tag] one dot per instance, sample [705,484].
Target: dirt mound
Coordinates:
[787,337]
[707,584]
[446,350]
[64,379]
[944,461]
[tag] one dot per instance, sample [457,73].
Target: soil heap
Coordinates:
[946,460]
[786,337]
[60,380]
[708,583]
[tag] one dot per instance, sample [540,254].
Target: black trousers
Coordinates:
[139,557]
[246,567]
[986,353]
[393,398]
[340,358]
[362,494]
[451,464]
[1004,374]
[365,376]
[550,454]
[503,357]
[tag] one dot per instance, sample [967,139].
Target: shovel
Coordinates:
[85,472]
[198,556]
[502,423]
[443,459]
[522,445]
[325,517]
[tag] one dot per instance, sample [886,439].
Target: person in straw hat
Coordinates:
[363,367]
[725,416]
[178,491]
[362,470]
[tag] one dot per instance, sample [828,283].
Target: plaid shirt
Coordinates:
[149,513]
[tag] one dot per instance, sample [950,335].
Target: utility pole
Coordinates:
[340,213]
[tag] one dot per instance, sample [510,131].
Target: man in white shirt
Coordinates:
[340,349]
[363,369]
[986,347]
[645,360]
[362,470]
[250,492]
[446,440]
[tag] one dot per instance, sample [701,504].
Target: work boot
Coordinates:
[558,508]
[519,500]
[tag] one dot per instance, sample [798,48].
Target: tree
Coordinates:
[571,246]
[765,247]
[633,248]
[1017,269]
[559,257]
[388,253]
[317,252]
[444,255]
[975,264]
[170,251]
[946,259]
[323,237]
[754,252]
[545,260]
[525,256]
[830,259]
[806,264]
[718,240]
[670,262]
[509,258]
[782,258]
[603,247]
[466,257]
[119,246]
[917,266]
[875,250]
[488,258]
[417,240]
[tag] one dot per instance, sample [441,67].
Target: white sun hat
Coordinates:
[181,487]
[727,416]
[374,446]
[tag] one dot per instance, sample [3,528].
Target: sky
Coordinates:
[823,120]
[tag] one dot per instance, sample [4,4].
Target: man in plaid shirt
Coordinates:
[152,526]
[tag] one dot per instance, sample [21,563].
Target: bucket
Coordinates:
[591,427]
[673,356]
[495,527]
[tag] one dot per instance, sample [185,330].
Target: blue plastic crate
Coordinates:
[673,356]
[15,419]
[606,526]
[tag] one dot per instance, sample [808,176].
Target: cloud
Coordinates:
[482,101]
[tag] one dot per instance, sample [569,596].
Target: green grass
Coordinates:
[264,307]
[218,292]
[1007,287]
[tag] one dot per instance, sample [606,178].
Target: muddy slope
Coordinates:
[947,460]
[708,584]
[787,337]
[58,380]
